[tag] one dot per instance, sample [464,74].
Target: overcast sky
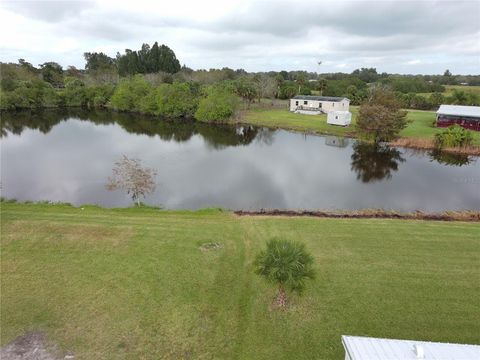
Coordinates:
[393,36]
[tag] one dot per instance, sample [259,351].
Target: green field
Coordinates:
[421,125]
[450,88]
[471,89]
[136,284]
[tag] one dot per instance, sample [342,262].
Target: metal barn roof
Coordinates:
[367,348]
[319,98]
[459,110]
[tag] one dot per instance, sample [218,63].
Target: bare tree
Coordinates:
[131,176]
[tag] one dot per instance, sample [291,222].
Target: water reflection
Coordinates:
[374,162]
[217,137]
[336,141]
[451,159]
[68,155]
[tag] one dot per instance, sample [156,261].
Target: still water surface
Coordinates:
[68,156]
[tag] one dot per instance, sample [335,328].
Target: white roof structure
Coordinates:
[340,112]
[459,110]
[367,348]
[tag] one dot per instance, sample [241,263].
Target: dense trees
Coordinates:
[52,73]
[216,103]
[171,100]
[139,78]
[98,61]
[147,60]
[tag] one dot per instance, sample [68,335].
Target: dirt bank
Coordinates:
[473,216]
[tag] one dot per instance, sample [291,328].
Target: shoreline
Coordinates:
[404,142]
[463,215]
[447,215]
[418,143]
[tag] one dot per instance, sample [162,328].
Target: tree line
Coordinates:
[147,80]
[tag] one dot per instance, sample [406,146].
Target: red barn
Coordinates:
[465,116]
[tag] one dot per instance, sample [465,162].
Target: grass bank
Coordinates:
[138,284]
[419,133]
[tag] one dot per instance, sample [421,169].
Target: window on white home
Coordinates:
[296,103]
[305,102]
[336,117]
[333,104]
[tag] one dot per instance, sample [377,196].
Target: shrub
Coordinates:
[29,94]
[99,96]
[75,93]
[176,100]
[453,136]
[129,94]
[286,264]
[218,106]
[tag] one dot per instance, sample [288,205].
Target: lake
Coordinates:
[67,156]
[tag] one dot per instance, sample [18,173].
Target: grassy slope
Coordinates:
[132,283]
[420,127]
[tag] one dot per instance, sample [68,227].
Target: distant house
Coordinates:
[465,116]
[335,107]
[367,348]
[307,104]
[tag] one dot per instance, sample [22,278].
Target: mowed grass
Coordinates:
[421,125]
[134,283]
[284,119]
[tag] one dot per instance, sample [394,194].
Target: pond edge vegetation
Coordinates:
[453,215]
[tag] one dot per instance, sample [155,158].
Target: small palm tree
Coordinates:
[287,264]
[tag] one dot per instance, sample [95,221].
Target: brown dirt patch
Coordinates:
[31,346]
[473,216]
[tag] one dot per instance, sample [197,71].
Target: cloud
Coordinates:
[51,11]
[414,62]
[255,35]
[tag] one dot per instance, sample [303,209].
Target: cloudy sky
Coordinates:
[394,36]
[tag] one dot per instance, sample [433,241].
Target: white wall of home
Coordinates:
[325,105]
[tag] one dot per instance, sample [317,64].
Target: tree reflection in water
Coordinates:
[446,158]
[374,162]
[178,130]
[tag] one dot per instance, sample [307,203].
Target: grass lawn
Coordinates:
[284,119]
[134,283]
[420,127]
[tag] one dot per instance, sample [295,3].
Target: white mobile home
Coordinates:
[367,348]
[307,104]
[342,118]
